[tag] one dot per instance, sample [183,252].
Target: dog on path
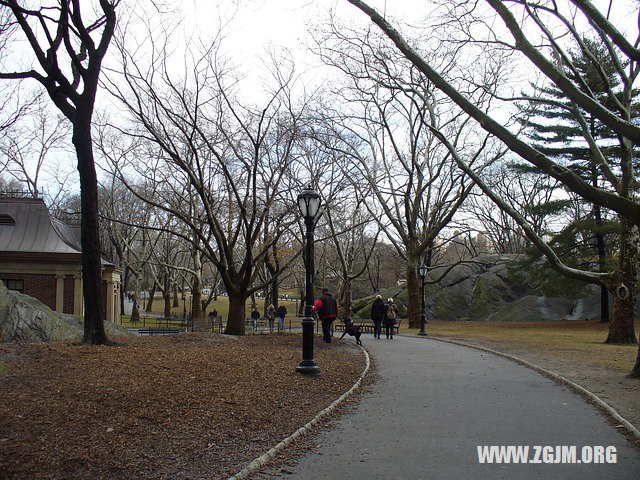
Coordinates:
[352,330]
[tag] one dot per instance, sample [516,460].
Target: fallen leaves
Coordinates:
[180,406]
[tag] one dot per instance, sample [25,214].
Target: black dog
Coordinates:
[352,330]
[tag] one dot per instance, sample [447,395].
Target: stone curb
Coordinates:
[266,457]
[629,428]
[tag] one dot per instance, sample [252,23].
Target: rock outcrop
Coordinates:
[25,319]
[486,290]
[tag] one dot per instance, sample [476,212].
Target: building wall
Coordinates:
[40,286]
[40,282]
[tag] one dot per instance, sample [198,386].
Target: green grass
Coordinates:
[221,304]
[574,341]
[3,368]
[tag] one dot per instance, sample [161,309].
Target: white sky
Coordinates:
[254,26]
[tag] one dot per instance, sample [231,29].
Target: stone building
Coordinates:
[40,257]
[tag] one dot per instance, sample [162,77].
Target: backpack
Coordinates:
[391,313]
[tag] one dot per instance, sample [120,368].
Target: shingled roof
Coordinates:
[34,230]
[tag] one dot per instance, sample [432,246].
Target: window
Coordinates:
[7,220]
[17,285]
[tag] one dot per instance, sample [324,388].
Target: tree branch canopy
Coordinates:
[573,182]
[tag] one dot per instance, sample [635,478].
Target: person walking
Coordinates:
[327,309]
[282,312]
[377,315]
[390,315]
[271,315]
[255,315]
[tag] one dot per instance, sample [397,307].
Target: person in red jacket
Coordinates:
[327,309]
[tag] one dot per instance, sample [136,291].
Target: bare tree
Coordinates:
[55,33]
[28,144]
[558,29]
[196,138]
[415,187]
[526,191]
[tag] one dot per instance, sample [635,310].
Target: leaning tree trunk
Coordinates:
[89,233]
[413,295]
[623,287]
[152,296]
[235,319]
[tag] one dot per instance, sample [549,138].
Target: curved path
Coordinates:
[436,402]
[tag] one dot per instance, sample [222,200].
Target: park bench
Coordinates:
[157,331]
[366,324]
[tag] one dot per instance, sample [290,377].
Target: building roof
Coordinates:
[35,231]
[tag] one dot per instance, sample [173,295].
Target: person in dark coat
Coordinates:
[281,312]
[327,309]
[390,316]
[255,315]
[377,315]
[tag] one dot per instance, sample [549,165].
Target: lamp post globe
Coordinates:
[423,269]
[309,204]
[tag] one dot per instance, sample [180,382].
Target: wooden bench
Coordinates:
[366,324]
[158,331]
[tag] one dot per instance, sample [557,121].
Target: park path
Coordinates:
[436,402]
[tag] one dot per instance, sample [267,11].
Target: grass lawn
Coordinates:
[221,304]
[572,341]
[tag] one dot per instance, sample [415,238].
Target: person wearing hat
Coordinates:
[377,314]
[327,309]
[390,315]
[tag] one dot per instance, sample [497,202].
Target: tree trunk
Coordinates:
[124,287]
[89,231]
[605,314]
[235,320]
[266,294]
[623,287]
[175,295]
[348,300]
[196,313]
[413,294]
[635,373]
[135,313]
[152,295]
[166,295]
[600,246]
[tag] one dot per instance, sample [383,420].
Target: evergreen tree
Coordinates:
[559,130]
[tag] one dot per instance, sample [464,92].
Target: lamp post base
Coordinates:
[308,367]
[423,323]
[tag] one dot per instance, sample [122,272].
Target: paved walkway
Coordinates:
[436,402]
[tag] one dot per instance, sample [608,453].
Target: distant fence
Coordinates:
[150,324]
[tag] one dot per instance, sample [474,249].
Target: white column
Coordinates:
[59,293]
[110,302]
[77,295]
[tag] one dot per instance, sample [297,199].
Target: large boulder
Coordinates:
[26,319]
[488,289]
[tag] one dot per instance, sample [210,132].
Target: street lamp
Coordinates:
[309,203]
[423,269]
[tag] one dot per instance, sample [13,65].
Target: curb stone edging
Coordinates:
[629,428]
[269,455]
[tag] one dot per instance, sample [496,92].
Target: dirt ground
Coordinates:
[179,406]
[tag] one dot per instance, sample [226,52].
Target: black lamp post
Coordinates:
[423,269]
[309,203]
